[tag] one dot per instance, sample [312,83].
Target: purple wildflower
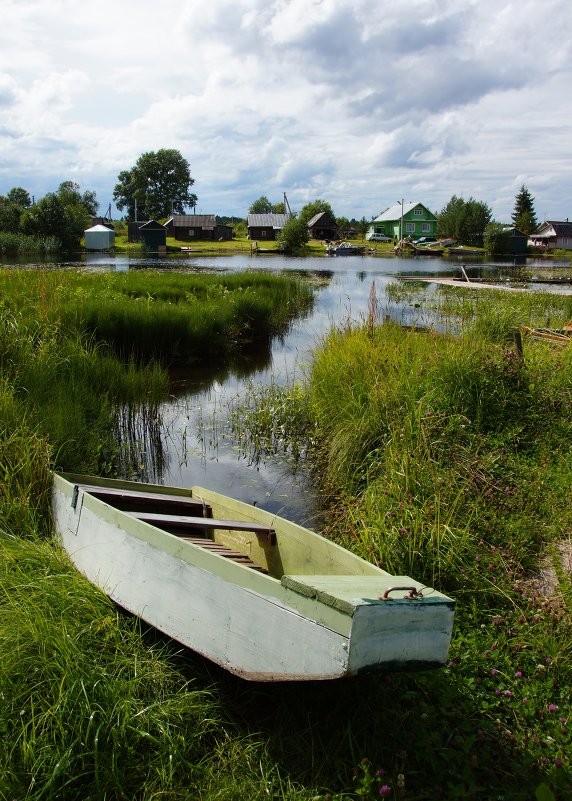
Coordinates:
[384,789]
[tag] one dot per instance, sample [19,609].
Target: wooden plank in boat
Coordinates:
[222,550]
[141,500]
[187,521]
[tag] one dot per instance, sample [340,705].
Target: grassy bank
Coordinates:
[446,455]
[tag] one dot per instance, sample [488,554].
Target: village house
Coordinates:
[403,221]
[322,226]
[552,234]
[189,227]
[266,226]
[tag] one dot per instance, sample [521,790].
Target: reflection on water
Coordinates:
[188,440]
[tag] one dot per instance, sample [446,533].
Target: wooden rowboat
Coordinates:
[264,597]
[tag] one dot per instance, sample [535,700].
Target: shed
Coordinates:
[153,235]
[516,243]
[99,237]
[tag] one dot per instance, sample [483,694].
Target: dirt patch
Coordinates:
[546,581]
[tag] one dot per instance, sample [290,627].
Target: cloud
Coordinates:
[338,99]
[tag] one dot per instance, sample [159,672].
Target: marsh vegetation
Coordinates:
[444,454]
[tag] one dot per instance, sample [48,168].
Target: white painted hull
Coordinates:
[257,626]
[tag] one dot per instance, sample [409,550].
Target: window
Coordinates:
[425,228]
[418,211]
[410,228]
[191,231]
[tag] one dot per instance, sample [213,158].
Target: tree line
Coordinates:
[159,185]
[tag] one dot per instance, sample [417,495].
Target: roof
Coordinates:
[561,229]
[151,224]
[395,212]
[510,229]
[327,220]
[192,220]
[98,228]
[267,220]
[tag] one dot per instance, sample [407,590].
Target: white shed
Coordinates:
[99,237]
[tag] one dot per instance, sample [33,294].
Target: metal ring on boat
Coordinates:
[413,593]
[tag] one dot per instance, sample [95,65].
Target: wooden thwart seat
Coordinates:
[183,522]
[128,500]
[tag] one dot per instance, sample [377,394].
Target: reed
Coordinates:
[177,318]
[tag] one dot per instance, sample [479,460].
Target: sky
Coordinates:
[356,102]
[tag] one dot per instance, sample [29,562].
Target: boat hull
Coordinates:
[298,627]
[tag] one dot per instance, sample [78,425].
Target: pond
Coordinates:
[194,437]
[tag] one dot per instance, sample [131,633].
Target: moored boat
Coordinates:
[344,249]
[264,597]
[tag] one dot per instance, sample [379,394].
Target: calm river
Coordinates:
[197,445]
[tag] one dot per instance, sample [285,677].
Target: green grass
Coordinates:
[173,318]
[446,456]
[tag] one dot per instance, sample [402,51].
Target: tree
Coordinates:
[9,215]
[293,235]
[315,207]
[524,216]
[343,226]
[50,216]
[362,226]
[496,238]
[158,185]
[464,220]
[70,195]
[20,197]
[261,206]
[240,230]
[264,206]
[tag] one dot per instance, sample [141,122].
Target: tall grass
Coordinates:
[178,318]
[447,456]
[441,443]
[24,245]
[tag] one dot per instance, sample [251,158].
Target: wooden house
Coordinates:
[322,226]
[266,226]
[192,227]
[553,234]
[405,221]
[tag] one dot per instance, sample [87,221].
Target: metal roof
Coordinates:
[267,220]
[394,212]
[193,220]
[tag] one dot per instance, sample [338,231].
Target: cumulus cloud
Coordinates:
[340,99]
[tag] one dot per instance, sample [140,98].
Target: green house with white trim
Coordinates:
[410,220]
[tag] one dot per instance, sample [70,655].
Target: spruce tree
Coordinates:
[524,216]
